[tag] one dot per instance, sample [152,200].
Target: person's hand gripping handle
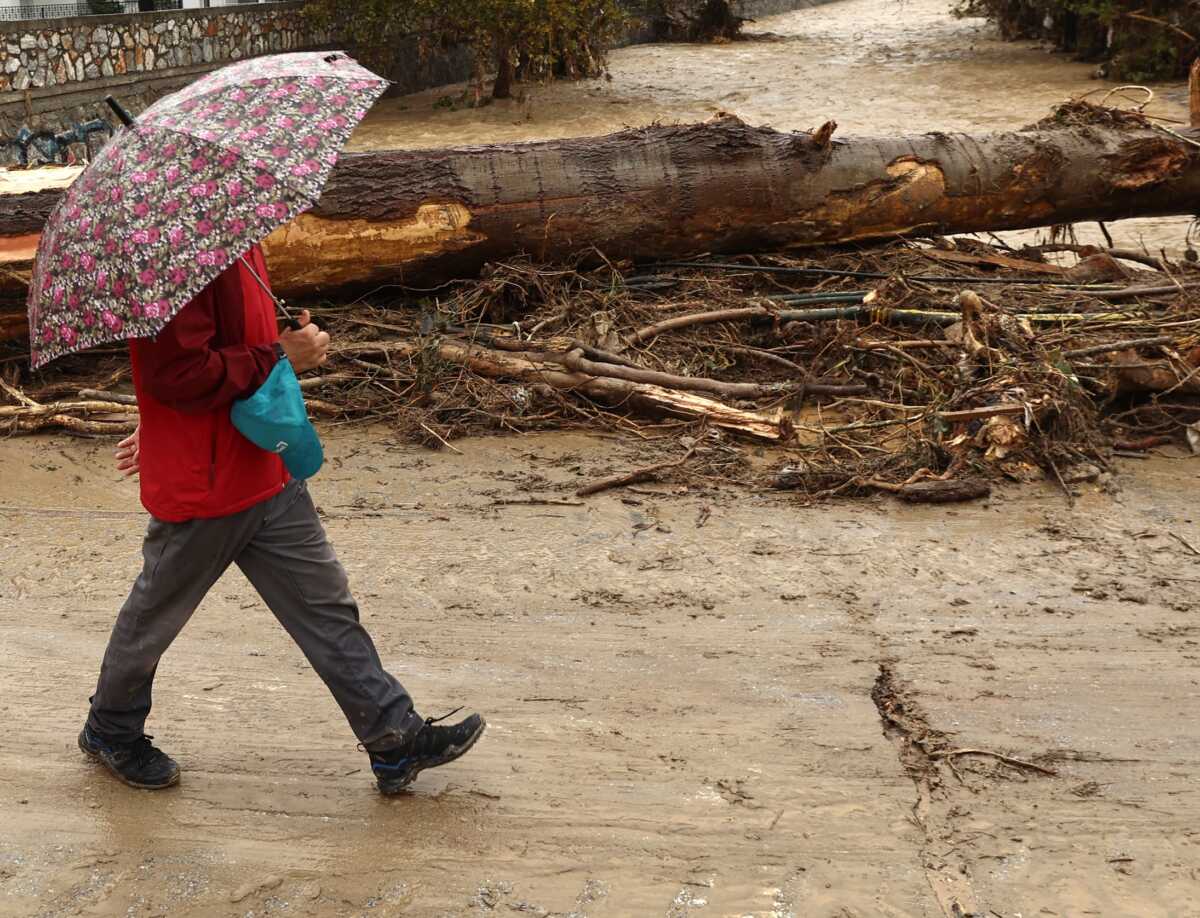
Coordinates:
[305,343]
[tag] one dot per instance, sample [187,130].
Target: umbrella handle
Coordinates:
[321,324]
[124,116]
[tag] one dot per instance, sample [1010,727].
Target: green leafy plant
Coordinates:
[1142,40]
[513,40]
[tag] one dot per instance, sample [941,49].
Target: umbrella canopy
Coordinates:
[172,200]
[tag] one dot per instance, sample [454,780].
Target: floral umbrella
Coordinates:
[173,199]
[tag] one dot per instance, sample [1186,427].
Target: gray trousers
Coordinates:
[281,547]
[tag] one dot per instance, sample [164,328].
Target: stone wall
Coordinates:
[57,71]
[53,71]
[57,52]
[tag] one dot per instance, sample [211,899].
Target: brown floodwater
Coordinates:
[874,66]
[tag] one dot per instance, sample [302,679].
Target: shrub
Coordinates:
[1142,40]
[694,20]
[513,39]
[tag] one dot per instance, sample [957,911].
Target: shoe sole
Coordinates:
[95,756]
[390,786]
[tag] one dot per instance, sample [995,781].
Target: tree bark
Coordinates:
[1194,93]
[535,368]
[502,87]
[420,217]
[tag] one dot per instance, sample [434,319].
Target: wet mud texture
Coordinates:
[700,703]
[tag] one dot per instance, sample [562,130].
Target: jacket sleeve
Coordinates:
[184,371]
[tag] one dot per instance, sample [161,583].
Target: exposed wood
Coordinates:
[67,422]
[937,491]
[117,397]
[1131,293]
[769,357]
[16,394]
[1142,443]
[328,379]
[1134,375]
[975,414]
[84,407]
[1194,93]
[916,343]
[531,501]
[1006,759]
[1024,265]
[697,318]
[535,368]
[1118,346]
[1185,543]
[323,408]
[1141,258]
[577,362]
[671,191]
[646,473]
[1100,268]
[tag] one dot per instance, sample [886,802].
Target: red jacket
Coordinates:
[220,347]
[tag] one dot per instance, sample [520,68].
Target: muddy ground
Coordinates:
[684,691]
[701,703]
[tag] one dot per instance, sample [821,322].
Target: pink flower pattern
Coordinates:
[161,211]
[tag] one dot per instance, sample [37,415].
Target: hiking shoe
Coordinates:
[395,769]
[138,763]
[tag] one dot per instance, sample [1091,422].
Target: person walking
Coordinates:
[218,500]
[144,247]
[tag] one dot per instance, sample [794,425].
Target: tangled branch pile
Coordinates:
[909,368]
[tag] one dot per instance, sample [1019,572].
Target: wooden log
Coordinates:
[952,490]
[698,318]
[580,364]
[534,368]
[31,411]
[1194,93]
[119,397]
[67,422]
[423,216]
[933,491]
[975,414]
[622,479]
[1111,346]
[1133,374]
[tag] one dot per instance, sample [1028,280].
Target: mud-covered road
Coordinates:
[684,692]
[704,702]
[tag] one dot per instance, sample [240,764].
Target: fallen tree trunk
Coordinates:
[421,217]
